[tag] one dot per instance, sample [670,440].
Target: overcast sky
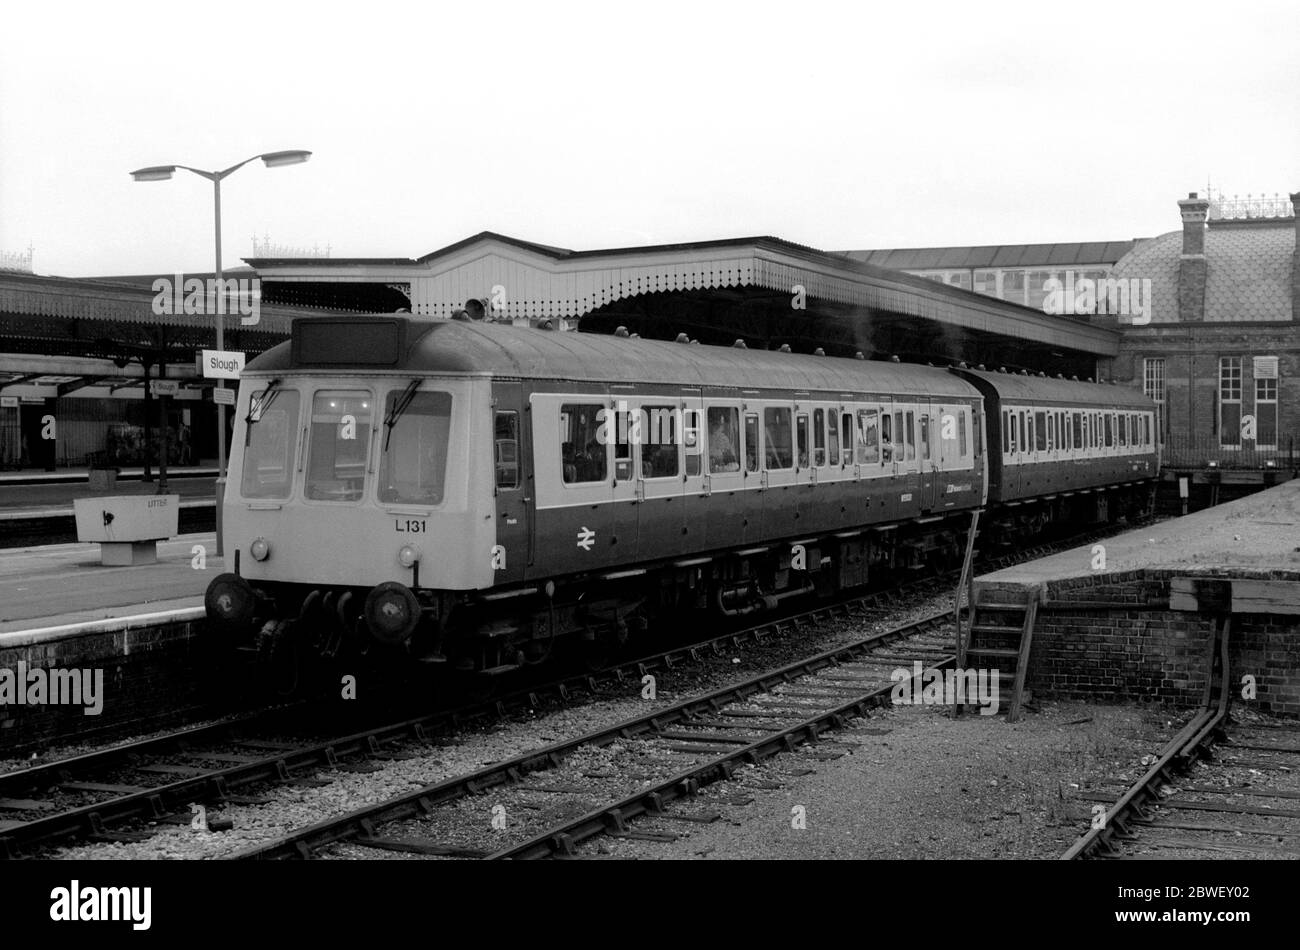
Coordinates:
[838,125]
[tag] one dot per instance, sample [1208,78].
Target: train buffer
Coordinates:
[127,527]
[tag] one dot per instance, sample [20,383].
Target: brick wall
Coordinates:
[1191,355]
[1148,653]
[152,676]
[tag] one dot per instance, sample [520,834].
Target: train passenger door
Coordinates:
[513,483]
[927,455]
[753,478]
[627,490]
[659,469]
[723,480]
[694,534]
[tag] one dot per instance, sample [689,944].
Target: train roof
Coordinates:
[1045,390]
[417,347]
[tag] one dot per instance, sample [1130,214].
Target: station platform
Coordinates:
[76,475]
[62,589]
[25,495]
[1153,614]
[1251,536]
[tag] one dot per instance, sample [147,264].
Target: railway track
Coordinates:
[1217,788]
[97,796]
[114,794]
[666,755]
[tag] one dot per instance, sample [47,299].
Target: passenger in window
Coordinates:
[570,461]
[722,448]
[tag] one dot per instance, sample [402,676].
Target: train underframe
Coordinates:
[295,627]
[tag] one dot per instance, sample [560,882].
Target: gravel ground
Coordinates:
[914,783]
[291,807]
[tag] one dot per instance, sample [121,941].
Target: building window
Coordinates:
[1013,286]
[1230,402]
[1153,385]
[986,282]
[1266,413]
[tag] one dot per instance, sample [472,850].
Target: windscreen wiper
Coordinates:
[257,408]
[399,406]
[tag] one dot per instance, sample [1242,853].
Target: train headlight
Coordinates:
[408,555]
[260,549]
[229,600]
[391,612]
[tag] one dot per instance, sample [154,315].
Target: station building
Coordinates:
[1219,346]
[1221,353]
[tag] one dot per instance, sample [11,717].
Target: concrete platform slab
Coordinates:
[1255,536]
[62,587]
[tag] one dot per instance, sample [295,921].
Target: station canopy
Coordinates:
[103,337]
[764,290]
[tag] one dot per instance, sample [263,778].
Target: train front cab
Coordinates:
[353,497]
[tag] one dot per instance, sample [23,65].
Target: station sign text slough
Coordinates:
[221,364]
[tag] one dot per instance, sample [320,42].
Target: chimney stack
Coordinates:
[1191,264]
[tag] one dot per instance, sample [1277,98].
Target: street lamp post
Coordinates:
[164,172]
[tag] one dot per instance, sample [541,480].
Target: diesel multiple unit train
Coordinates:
[469,494]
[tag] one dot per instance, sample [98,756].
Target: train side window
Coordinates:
[909,435]
[506,443]
[1024,442]
[659,441]
[1013,434]
[868,437]
[584,440]
[776,435]
[1031,438]
[846,431]
[924,437]
[833,437]
[819,438]
[898,440]
[724,439]
[623,440]
[961,433]
[801,439]
[1077,420]
[692,442]
[1051,431]
[1123,433]
[1040,431]
[1006,433]
[751,442]
[1110,430]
